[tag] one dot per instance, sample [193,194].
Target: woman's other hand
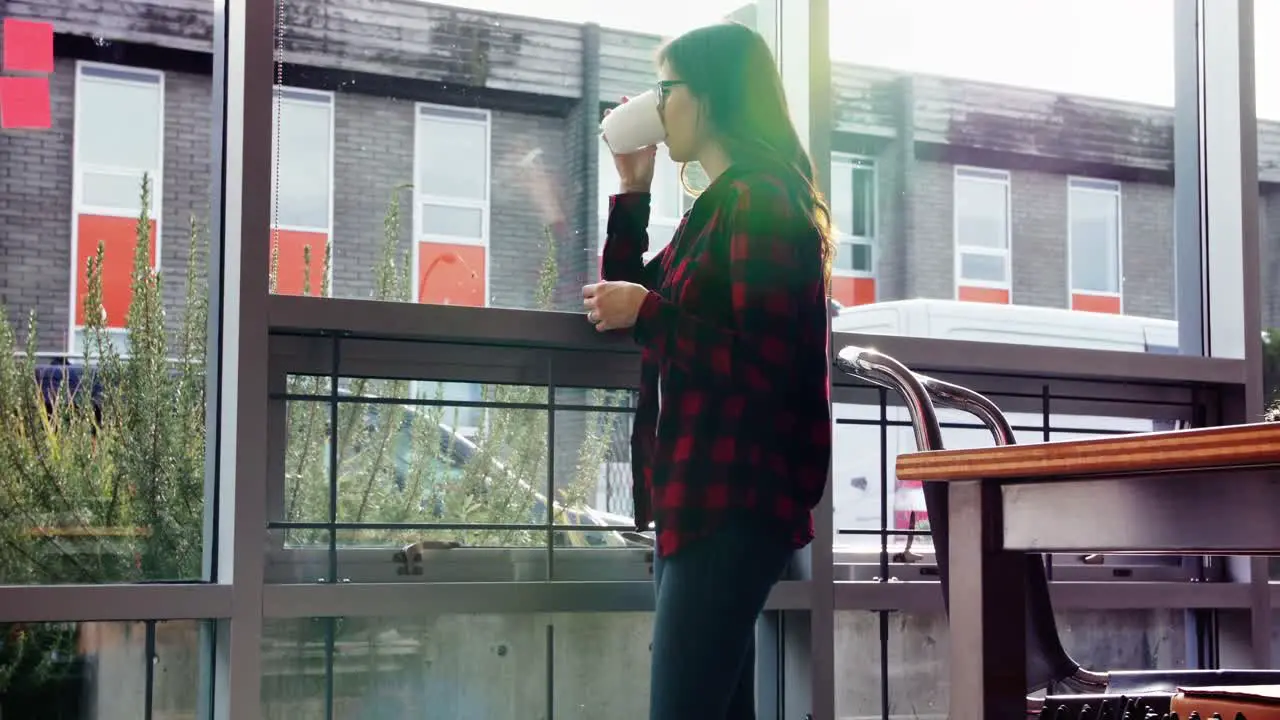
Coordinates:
[613,305]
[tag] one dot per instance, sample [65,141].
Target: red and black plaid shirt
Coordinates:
[734,414]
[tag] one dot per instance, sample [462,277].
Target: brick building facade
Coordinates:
[484,127]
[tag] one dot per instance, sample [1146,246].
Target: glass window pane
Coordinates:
[117,190]
[854,256]
[118,123]
[977,132]
[454,666]
[304,156]
[842,201]
[476,105]
[586,643]
[452,158]
[983,268]
[915,658]
[471,667]
[863,222]
[981,213]
[101,669]
[660,234]
[102,443]
[444,220]
[667,189]
[476,458]
[1095,241]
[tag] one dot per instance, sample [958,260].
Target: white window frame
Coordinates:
[464,116]
[841,162]
[299,96]
[666,174]
[995,176]
[79,168]
[1102,187]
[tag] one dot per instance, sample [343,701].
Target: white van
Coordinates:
[858,461]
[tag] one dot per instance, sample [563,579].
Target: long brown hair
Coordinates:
[730,69]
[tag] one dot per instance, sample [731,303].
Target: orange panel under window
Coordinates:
[850,291]
[293,272]
[118,236]
[1087,302]
[996,296]
[450,274]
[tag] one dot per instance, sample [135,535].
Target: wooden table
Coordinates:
[1211,491]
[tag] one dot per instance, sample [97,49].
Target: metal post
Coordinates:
[242,345]
[1232,249]
[1189,236]
[798,33]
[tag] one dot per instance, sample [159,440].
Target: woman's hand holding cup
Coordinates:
[635,167]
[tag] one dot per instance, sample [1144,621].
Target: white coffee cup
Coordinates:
[633,125]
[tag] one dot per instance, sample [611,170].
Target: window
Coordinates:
[982,234]
[669,203]
[119,140]
[853,208]
[1094,244]
[451,208]
[302,205]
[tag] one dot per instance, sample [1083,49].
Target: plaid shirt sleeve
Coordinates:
[627,240]
[772,264]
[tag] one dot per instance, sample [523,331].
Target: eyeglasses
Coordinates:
[664,89]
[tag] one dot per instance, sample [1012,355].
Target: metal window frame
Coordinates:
[993,176]
[853,162]
[1111,188]
[79,168]
[447,114]
[305,97]
[434,112]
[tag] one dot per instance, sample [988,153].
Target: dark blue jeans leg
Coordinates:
[709,596]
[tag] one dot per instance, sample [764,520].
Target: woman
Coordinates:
[732,436]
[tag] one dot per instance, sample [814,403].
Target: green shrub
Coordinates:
[111,489]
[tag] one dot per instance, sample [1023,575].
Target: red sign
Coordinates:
[27,63]
[28,47]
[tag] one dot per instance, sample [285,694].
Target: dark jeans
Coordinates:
[709,595]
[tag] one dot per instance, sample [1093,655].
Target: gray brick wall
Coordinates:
[529,156]
[186,183]
[930,251]
[1147,248]
[35,204]
[373,156]
[891,250]
[35,219]
[1039,239]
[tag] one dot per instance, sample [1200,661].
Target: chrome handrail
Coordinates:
[957,397]
[880,369]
